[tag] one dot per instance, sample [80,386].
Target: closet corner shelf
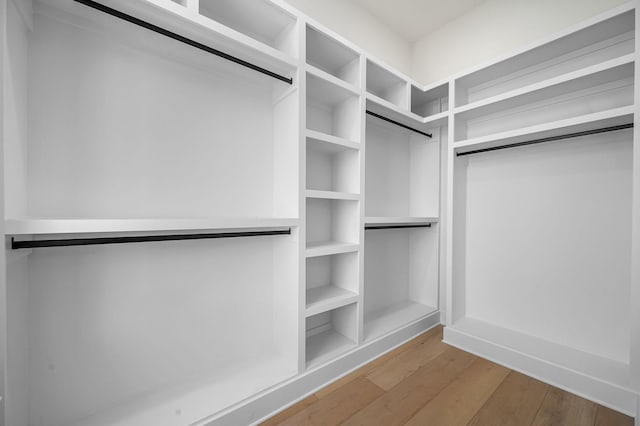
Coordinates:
[384,321]
[331,195]
[326,298]
[190,24]
[325,248]
[613,117]
[316,72]
[90,226]
[330,142]
[613,69]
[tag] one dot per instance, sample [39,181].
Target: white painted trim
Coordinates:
[608,394]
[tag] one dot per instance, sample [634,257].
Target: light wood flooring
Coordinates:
[426,382]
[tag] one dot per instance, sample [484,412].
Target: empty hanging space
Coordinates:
[402,172]
[400,278]
[598,43]
[139,334]
[332,282]
[387,86]
[330,334]
[332,57]
[431,102]
[258,19]
[333,168]
[541,261]
[149,133]
[332,109]
[332,226]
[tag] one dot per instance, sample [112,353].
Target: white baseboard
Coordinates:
[602,392]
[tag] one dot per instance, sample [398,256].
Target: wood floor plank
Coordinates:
[337,406]
[514,403]
[395,370]
[396,406]
[463,397]
[608,417]
[562,408]
[363,371]
[291,411]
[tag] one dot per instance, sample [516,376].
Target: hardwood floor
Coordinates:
[426,382]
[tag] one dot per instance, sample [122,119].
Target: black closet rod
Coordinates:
[182,39]
[550,139]
[139,239]
[399,226]
[398,124]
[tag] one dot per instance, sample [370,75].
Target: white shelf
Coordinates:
[329,142]
[325,346]
[316,72]
[328,91]
[325,248]
[260,20]
[80,226]
[608,370]
[388,220]
[325,298]
[614,117]
[385,84]
[388,319]
[199,399]
[388,110]
[333,57]
[609,71]
[331,195]
[189,23]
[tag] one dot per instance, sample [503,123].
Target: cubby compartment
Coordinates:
[144,135]
[386,85]
[332,57]
[430,102]
[332,282]
[605,40]
[332,109]
[599,89]
[402,171]
[400,278]
[259,19]
[144,334]
[330,334]
[332,167]
[332,222]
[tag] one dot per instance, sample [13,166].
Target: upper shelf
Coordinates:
[85,226]
[332,57]
[386,85]
[606,72]
[230,34]
[583,123]
[599,40]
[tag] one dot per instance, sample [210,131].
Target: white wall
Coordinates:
[360,27]
[494,28]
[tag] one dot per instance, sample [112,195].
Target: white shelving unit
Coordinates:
[529,275]
[341,175]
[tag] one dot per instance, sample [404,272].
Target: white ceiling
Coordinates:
[413,19]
